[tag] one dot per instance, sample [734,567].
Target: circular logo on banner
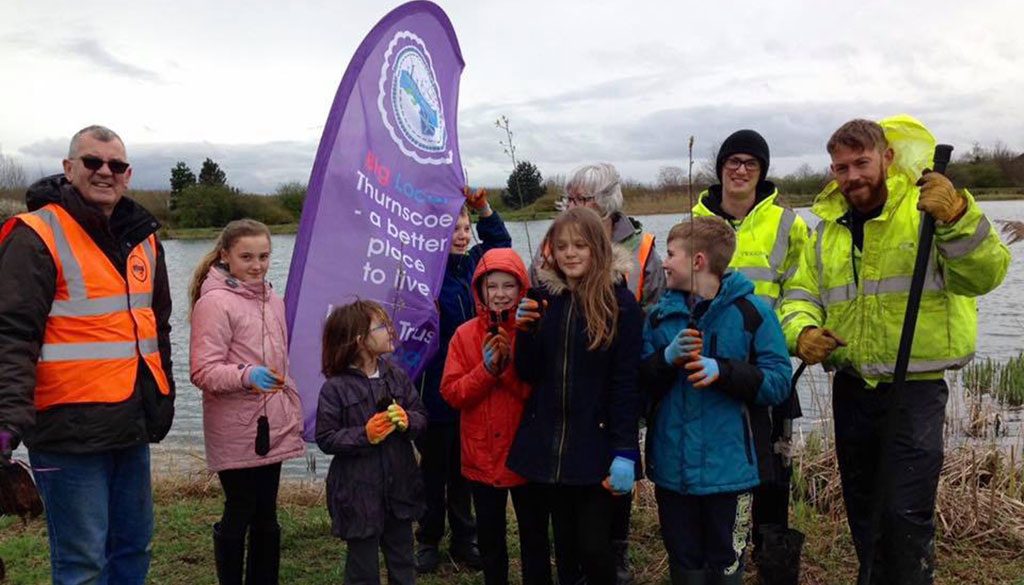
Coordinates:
[138,268]
[409,101]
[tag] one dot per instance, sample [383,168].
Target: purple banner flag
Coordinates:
[383,196]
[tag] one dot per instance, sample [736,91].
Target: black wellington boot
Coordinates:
[734,579]
[623,574]
[779,560]
[229,554]
[680,576]
[263,564]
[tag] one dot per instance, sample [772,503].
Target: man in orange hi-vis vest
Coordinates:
[85,359]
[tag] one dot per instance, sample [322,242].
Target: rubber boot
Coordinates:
[229,555]
[263,564]
[680,576]
[779,560]
[623,574]
[718,579]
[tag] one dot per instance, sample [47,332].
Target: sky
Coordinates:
[249,84]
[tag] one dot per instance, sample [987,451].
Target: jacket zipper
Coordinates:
[565,390]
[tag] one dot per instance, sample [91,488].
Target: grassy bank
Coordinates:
[979,516]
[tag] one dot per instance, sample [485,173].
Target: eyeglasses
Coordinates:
[379,327]
[734,164]
[579,200]
[118,167]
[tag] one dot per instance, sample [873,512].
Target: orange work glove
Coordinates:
[398,416]
[528,313]
[939,199]
[476,199]
[684,348]
[496,350]
[379,427]
[816,343]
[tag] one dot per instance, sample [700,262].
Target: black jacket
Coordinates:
[585,406]
[27,288]
[367,482]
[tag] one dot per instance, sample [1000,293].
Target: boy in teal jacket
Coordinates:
[711,349]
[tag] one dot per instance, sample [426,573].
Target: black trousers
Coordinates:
[704,532]
[444,488]
[905,553]
[582,520]
[250,499]
[491,504]
[622,514]
[771,506]
[362,561]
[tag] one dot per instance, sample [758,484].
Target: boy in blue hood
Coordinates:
[711,350]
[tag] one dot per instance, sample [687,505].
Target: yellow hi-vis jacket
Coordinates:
[867,308]
[769,243]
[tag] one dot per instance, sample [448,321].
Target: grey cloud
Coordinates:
[253,168]
[797,132]
[92,51]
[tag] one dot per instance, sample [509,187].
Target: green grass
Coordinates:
[186,509]
[1002,380]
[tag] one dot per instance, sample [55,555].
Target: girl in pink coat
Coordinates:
[252,419]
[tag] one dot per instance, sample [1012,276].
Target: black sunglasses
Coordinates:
[118,167]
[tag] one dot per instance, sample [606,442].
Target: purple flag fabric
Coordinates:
[383,196]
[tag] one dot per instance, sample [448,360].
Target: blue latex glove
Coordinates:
[622,475]
[6,446]
[265,379]
[496,353]
[705,372]
[683,347]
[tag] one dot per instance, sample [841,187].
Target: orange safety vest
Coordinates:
[100,323]
[642,254]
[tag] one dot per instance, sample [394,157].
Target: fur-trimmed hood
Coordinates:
[622,265]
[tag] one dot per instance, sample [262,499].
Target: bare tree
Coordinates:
[671,178]
[12,174]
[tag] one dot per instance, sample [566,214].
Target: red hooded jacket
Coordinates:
[490,406]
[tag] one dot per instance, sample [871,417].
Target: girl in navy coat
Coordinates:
[367,417]
[579,346]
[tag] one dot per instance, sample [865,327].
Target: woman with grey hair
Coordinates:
[599,187]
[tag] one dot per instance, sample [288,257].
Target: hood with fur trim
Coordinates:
[622,265]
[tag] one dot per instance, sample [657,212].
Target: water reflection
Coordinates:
[1000,322]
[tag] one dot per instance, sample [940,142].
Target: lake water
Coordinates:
[1001,335]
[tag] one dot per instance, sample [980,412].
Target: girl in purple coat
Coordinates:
[367,417]
[252,419]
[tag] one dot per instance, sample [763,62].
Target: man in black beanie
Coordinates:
[769,241]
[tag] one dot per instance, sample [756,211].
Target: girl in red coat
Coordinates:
[480,381]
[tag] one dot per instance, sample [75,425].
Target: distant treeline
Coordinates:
[209,201]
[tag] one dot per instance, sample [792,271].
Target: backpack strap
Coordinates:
[752,320]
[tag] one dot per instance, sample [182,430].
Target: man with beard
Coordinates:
[845,309]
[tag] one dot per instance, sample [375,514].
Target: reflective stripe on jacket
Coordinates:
[769,242]
[866,304]
[100,323]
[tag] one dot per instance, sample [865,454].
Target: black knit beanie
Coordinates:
[744,142]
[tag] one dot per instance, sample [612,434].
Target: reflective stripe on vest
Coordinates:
[776,258]
[965,246]
[100,322]
[915,366]
[643,252]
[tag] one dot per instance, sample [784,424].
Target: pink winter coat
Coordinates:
[226,342]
